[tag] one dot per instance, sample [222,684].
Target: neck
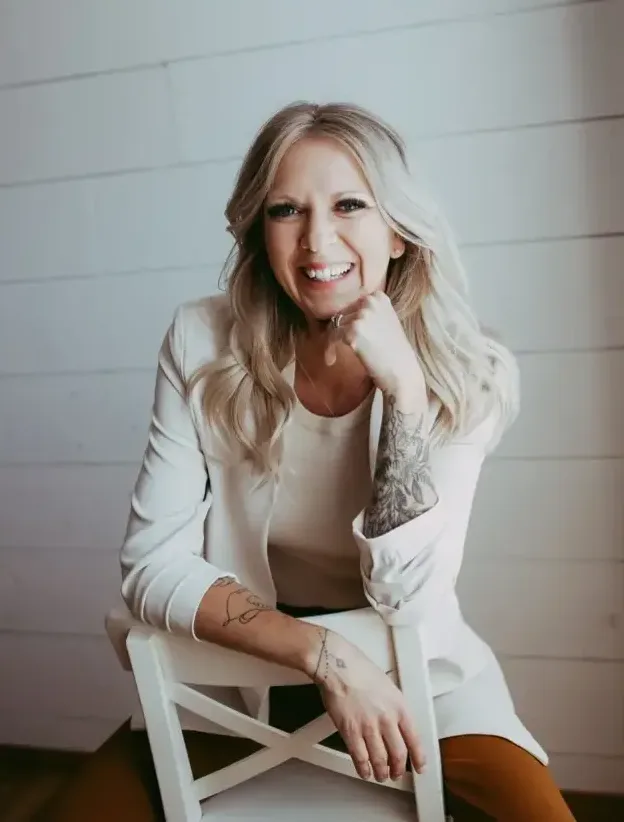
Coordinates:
[338,388]
[310,350]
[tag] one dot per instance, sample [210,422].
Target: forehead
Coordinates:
[320,164]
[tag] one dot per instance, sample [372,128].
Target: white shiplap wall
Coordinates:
[122,126]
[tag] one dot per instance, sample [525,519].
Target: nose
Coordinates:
[318,233]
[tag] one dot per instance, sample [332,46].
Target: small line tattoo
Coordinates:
[223,582]
[326,660]
[242,606]
[323,633]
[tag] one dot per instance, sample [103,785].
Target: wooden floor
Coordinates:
[30,778]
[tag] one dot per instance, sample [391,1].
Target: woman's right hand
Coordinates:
[368,710]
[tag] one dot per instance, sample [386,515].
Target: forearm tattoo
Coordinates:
[241,605]
[326,660]
[402,485]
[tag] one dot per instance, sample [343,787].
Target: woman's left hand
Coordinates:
[373,330]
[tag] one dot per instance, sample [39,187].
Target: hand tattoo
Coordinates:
[402,487]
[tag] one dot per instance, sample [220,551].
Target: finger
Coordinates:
[336,334]
[377,754]
[355,307]
[330,351]
[414,748]
[359,754]
[397,750]
[344,335]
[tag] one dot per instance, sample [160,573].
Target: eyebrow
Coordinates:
[279,197]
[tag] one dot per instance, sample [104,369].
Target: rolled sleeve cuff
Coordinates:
[184,601]
[401,544]
[409,611]
[400,570]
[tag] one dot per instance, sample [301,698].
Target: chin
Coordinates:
[327,312]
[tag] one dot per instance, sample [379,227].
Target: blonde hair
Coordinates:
[470,373]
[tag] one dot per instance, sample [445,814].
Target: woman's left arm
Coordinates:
[403,487]
[409,563]
[411,536]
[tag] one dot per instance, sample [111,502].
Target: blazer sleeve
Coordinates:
[407,570]
[164,573]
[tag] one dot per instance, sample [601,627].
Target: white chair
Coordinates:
[292,776]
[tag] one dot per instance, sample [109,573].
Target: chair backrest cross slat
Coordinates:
[165,667]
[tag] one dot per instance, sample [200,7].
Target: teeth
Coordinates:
[330,272]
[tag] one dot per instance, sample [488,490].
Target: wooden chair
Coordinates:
[292,776]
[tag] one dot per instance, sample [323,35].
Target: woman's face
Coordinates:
[325,238]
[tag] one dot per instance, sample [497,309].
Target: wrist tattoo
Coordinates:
[326,660]
[402,486]
[241,605]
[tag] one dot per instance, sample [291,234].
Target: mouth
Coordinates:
[328,273]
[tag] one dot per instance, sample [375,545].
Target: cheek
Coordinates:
[372,232]
[270,244]
[278,242]
[278,251]
[372,244]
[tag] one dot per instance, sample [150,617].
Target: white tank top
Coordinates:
[325,482]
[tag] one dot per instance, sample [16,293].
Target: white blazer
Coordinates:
[195,518]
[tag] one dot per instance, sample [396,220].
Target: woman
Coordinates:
[326,423]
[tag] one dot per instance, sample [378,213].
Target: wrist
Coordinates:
[408,391]
[407,398]
[310,648]
[324,658]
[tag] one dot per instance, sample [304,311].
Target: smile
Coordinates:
[329,272]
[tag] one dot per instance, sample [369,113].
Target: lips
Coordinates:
[327,273]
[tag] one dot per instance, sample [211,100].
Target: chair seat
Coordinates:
[305,793]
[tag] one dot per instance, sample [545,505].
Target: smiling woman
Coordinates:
[325,238]
[317,438]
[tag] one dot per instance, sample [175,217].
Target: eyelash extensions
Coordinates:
[284,210]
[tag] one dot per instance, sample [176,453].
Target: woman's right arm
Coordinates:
[168,583]
[367,708]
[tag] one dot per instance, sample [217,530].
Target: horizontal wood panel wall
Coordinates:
[119,145]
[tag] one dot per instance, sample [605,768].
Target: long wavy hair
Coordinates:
[471,373]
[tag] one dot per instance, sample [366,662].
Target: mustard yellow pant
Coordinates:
[481,773]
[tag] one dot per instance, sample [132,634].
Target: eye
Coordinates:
[351,204]
[281,210]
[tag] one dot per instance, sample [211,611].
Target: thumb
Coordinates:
[330,348]
[334,335]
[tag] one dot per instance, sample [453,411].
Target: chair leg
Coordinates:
[173,769]
[416,687]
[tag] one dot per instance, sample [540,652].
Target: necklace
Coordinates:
[332,412]
[314,386]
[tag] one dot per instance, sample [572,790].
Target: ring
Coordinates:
[336,320]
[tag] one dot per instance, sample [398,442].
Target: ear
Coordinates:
[398,247]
